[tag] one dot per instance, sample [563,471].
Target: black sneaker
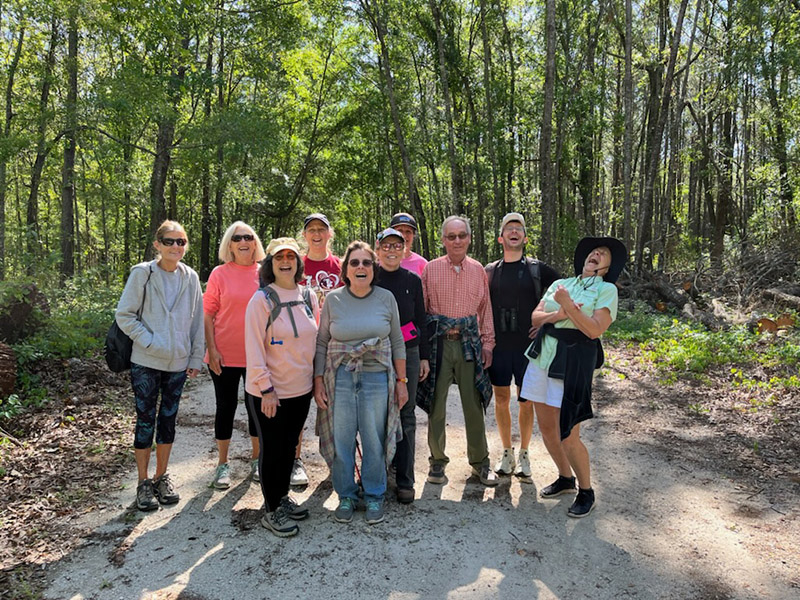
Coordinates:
[293,510]
[144,496]
[562,485]
[583,505]
[436,473]
[165,491]
[279,523]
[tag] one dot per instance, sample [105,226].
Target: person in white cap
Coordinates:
[516,283]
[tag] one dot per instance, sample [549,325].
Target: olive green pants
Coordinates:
[455,368]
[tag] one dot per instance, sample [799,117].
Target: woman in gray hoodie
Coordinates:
[161,310]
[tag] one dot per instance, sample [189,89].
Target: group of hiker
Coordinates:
[368,337]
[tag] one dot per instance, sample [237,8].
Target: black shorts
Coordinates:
[505,364]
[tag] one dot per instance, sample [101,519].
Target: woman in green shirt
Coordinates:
[571,317]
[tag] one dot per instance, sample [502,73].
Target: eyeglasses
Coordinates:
[392,246]
[513,230]
[452,237]
[354,262]
[245,236]
[170,241]
[317,230]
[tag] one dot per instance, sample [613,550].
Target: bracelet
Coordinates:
[402,379]
[269,390]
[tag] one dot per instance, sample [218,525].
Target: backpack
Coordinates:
[533,270]
[118,346]
[275,304]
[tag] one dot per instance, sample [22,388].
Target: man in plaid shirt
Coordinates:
[459,312]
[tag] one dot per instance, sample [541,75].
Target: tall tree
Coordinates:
[68,170]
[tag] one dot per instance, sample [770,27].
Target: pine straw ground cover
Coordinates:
[58,463]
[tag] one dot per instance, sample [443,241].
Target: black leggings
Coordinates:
[278,439]
[226,390]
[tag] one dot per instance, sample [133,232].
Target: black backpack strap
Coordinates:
[536,275]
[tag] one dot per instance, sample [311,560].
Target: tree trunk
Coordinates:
[42,150]
[627,140]
[68,173]
[547,178]
[9,115]
[497,201]
[205,180]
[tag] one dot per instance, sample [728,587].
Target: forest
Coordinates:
[672,125]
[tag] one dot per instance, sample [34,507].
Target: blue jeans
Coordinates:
[361,405]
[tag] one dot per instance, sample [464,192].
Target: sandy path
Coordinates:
[665,527]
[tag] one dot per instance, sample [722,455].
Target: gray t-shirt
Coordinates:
[172,285]
[350,319]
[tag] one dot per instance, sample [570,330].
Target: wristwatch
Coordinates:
[402,379]
[269,390]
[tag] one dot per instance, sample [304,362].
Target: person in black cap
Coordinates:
[571,317]
[407,225]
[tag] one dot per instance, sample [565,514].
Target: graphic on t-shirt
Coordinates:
[323,280]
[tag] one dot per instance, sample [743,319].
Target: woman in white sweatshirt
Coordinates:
[161,310]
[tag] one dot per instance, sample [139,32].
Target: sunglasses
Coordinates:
[392,246]
[170,241]
[245,236]
[452,237]
[354,262]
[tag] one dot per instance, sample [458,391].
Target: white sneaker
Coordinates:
[506,464]
[299,475]
[222,477]
[524,468]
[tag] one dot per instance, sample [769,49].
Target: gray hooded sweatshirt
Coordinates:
[167,340]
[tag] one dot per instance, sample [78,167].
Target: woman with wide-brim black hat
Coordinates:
[571,317]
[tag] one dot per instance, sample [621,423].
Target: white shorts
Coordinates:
[538,387]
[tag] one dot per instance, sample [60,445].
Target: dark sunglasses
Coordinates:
[354,262]
[245,236]
[452,237]
[171,241]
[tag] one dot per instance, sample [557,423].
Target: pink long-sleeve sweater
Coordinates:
[275,358]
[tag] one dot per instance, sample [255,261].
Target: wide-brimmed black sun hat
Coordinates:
[619,255]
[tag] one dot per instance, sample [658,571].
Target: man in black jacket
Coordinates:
[516,284]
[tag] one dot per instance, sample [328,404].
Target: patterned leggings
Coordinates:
[147,383]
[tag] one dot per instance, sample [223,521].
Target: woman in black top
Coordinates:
[407,290]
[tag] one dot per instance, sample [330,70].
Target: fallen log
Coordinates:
[783,297]
[8,370]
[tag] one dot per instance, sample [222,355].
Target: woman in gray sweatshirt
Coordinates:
[161,310]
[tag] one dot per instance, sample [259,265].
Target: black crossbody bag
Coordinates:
[119,347]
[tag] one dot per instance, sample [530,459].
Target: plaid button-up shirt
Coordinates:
[458,293]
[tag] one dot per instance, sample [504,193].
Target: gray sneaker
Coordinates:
[374,511]
[299,475]
[344,512]
[165,490]
[293,510]
[486,475]
[279,523]
[436,473]
[145,500]
[254,474]
[222,477]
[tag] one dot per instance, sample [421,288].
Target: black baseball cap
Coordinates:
[317,217]
[403,219]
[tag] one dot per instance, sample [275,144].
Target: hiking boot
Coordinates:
[254,474]
[562,485]
[279,523]
[505,465]
[145,500]
[436,473]
[374,511]
[293,510]
[486,475]
[222,477]
[405,495]
[344,512]
[165,491]
[299,475]
[524,464]
[583,505]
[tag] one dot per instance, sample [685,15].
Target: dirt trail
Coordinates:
[669,524]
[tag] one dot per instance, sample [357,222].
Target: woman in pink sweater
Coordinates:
[230,287]
[280,337]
